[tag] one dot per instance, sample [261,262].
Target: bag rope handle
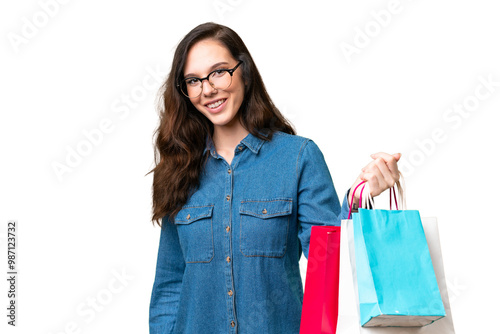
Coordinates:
[392,192]
[352,199]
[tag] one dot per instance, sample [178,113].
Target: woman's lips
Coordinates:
[216,106]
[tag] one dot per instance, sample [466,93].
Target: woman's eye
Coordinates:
[192,81]
[218,73]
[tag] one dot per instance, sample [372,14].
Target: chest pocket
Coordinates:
[264,227]
[194,225]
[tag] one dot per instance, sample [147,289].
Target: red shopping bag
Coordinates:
[321,295]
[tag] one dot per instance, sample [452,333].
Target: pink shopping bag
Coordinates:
[321,295]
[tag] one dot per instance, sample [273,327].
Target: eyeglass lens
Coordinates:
[193,87]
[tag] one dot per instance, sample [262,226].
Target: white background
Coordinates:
[66,73]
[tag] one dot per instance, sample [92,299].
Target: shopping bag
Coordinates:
[320,302]
[348,321]
[396,282]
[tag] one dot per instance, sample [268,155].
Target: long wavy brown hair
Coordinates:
[181,135]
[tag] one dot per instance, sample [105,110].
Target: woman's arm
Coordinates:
[168,281]
[317,201]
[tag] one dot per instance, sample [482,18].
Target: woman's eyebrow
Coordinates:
[213,67]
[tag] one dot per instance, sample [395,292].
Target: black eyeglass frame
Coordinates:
[230,71]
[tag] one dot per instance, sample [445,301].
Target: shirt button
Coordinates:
[228,259]
[233,324]
[228,197]
[228,228]
[188,216]
[264,211]
[229,171]
[240,147]
[230,293]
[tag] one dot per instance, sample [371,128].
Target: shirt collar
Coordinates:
[254,143]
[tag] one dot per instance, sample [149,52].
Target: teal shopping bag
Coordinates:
[396,282]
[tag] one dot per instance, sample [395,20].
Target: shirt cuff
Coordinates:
[344,213]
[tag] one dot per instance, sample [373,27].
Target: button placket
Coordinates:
[227,236]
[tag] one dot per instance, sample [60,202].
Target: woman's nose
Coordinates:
[207,88]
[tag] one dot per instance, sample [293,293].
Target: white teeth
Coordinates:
[216,104]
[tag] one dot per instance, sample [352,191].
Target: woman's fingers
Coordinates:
[382,173]
[379,178]
[386,156]
[391,161]
[376,182]
[373,182]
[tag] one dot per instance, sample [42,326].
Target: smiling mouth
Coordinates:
[216,104]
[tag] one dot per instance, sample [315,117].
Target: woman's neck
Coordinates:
[227,138]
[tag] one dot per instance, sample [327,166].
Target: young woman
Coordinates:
[236,192]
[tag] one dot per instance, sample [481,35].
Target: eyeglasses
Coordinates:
[219,79]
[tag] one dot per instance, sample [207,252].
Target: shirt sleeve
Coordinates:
[317,201]
[170,267]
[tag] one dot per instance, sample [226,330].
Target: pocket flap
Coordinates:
[266,208]
[189,214]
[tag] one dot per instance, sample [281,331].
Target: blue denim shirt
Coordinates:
[230,261]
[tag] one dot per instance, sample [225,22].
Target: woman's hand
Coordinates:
[380,174]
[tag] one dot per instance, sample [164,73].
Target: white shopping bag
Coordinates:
[348,320]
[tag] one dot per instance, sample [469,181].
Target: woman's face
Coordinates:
[219,106]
